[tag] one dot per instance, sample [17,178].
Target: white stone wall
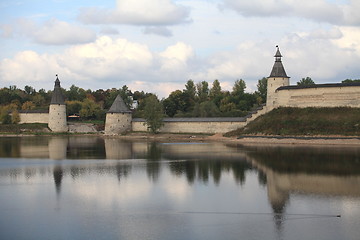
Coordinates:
[57,118]
[117,123]
[192,127]
[348,96]
[34,118]
[272,85]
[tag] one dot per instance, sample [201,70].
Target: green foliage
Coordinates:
[90,110]
[4,116]
[306,82]
[239,87]
[262,89]
[153,113]
[176,102]
[351,81]
[206,109]
[202,91]
[305,121]
[73,107]
[75,94]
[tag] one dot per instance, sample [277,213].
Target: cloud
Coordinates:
[105,63]
[329,55]
[140,12]
[315,10]
[55,32]
[161,31]
[333,33]
[30,68]
[175,58]
[51,32]
[109,31]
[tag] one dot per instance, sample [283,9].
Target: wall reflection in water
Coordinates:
[283,170]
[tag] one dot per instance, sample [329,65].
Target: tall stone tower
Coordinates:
[277,78]
[118,118]
[57,110]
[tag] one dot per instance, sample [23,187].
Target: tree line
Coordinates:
[195,100]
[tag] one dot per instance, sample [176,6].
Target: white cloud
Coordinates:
[329,55]
[55,32]
[176,57]
[333,33]
[140,12]
[315,10]
[51,32]
[350,39]
[30,68]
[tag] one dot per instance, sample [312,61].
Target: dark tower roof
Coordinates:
[278,69]
[119,106]
[57,97]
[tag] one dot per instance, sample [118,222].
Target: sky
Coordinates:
[158,45]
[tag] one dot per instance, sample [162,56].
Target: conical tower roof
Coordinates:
[57,97]
[119,106]
[278,69]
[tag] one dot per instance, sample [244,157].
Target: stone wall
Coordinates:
[321,96]
[195,125]
[34,118]
[117,123]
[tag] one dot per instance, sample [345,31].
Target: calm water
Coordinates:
[95,188]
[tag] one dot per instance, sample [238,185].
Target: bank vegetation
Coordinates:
[286,121]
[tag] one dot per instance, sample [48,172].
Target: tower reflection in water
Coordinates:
[285,170]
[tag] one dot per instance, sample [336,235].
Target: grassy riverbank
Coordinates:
[305,121]
[26,128]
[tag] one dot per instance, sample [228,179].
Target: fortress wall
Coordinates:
[192,127]
[319,97]
[34,118]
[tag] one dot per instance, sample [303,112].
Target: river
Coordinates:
[88,187]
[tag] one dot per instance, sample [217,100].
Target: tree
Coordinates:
[28,105]
[189,94]
[15,117]
[215,93]
[153,113]
[73,107]
[202,91]
[75,93]
[305,82]
[176,102]
[207,109]
[90,109]
[351,81]
[215,90]
[4,116]
[239,87]
[125,94]
[29,90]
[262,89]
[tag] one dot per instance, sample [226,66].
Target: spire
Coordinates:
[57,97]
[278,68]
[119,106]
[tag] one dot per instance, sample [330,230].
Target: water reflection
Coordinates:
[284,171]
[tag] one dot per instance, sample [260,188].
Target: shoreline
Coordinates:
[317,140]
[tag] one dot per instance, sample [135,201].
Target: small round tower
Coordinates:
[118,118]
[277,78]
[57,110]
